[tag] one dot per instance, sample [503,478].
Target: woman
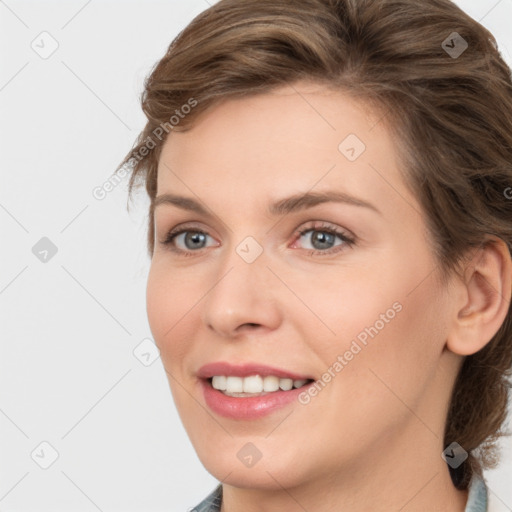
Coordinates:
[330,232]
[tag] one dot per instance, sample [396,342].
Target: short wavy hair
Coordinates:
[450,114]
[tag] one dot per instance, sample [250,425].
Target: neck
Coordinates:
[434,493]
[409,477]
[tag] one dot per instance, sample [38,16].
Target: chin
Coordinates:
[271,474]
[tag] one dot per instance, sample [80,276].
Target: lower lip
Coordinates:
[247,408]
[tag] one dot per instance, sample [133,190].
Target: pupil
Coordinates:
[325,239]
[194,238]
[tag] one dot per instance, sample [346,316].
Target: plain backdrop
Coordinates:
[81,390]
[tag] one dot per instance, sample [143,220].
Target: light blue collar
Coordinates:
[478,496]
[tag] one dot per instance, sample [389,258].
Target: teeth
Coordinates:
[286,384]
[270,383]
[234,384]
[219,382]
[254,384]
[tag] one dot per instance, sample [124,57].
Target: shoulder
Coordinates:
[211,503]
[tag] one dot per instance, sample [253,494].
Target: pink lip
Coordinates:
[244,370]
[242,407]
[251,408]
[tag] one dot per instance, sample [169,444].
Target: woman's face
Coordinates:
[353,302]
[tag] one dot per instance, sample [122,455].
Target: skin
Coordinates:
[372,438]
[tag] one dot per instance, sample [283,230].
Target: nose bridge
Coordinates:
[241,293]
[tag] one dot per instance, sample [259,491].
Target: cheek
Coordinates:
[393,368]
[398,358]
[338,305]
[389,319]
[170,301]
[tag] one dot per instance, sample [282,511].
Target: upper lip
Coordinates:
[246,369]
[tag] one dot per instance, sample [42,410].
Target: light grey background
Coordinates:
[70,325]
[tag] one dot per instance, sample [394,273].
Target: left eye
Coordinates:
[323,239]
[191,239]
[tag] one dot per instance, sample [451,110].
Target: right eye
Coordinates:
[193,240]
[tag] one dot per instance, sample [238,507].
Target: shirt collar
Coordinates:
[477,497]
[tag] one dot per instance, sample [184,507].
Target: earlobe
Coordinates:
[487,291]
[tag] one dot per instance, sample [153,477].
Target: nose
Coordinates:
[243,297]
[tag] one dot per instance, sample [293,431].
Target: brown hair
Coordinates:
[451,116]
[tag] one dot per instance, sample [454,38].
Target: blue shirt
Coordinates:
[477,498]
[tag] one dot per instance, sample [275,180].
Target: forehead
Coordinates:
[292,139]
[283,119]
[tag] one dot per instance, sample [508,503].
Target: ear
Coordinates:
[484,299]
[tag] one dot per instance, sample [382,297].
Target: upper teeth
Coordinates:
[254,383]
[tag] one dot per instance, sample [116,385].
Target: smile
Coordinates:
[250,406]
[254,385]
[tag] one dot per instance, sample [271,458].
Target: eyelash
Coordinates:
[348,241]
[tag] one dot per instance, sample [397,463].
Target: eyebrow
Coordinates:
[281,207]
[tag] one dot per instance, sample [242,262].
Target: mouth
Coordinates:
[251,397]
[254,385]
[251,390]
